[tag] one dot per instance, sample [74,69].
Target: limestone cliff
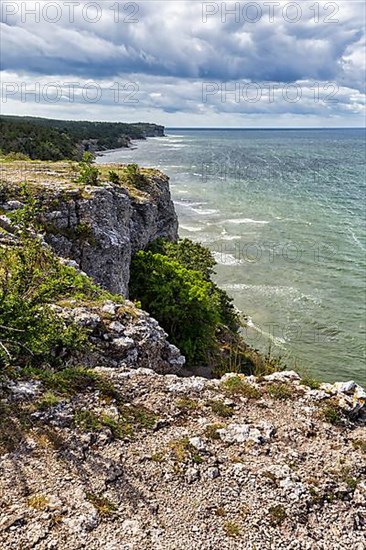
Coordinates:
[99,227]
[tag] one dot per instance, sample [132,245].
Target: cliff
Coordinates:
[109,446]
[98,227]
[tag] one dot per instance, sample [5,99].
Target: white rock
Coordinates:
[116,326]
[283,376]
[213,473]
[23,390]
[198,443]
[192,474]
[123,343]
[187,385]
[109,307]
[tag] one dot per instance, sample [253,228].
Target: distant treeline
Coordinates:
[47,139]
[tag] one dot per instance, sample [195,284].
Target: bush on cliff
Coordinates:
[196,257]
[180,299]
[173,282]
[31,280]
[89,174]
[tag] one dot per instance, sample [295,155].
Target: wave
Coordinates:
[190,228]
[206,212]
[281,291]
[276,340]
[226,259]
[239,221]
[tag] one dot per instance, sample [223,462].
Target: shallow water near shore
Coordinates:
[283,213]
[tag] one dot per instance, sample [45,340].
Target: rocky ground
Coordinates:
[132,459]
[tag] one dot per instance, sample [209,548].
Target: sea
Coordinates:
[283,212]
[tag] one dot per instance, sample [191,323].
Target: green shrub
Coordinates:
[236,385]
[180,299]
[89,174]
[31,280]
[134,176]
[113,177]
[196,257]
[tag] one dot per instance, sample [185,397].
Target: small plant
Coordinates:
[105,507]
[232,529]
[332,414]
[311,383]
[89,174]
[134,176]
[277,515]
[48,400]
[359,444]
[218,407]
[159,456]
[87,421]
[211,431]
[38,502]
[220,511]
[237,385]
[183,450]
[113,177]
[280,391]
[186,404]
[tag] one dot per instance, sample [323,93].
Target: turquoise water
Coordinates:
[283,213]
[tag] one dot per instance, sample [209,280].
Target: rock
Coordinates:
[187,385]
[13,205]
[123,342]
[24,390]
[192,475]
[84,317]
[283,376]
[109,307]
[116,326]
[240,433]
[116,226]
[198,443]
[213,473]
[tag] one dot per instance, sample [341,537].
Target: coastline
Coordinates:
[316,325]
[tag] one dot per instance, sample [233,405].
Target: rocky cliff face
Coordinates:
[101,227]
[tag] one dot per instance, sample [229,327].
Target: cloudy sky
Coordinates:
[186,63]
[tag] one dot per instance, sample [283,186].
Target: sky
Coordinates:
[186,63]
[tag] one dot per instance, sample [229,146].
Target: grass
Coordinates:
[311,383]
[232,529]
[211,431]
[280,391]
[185,404]
[237,386]
[218,407]
[277,515]
[359,444]
[131,418]
[184,451]
[332,414]
[48,400]
[103,505]
[38,502]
